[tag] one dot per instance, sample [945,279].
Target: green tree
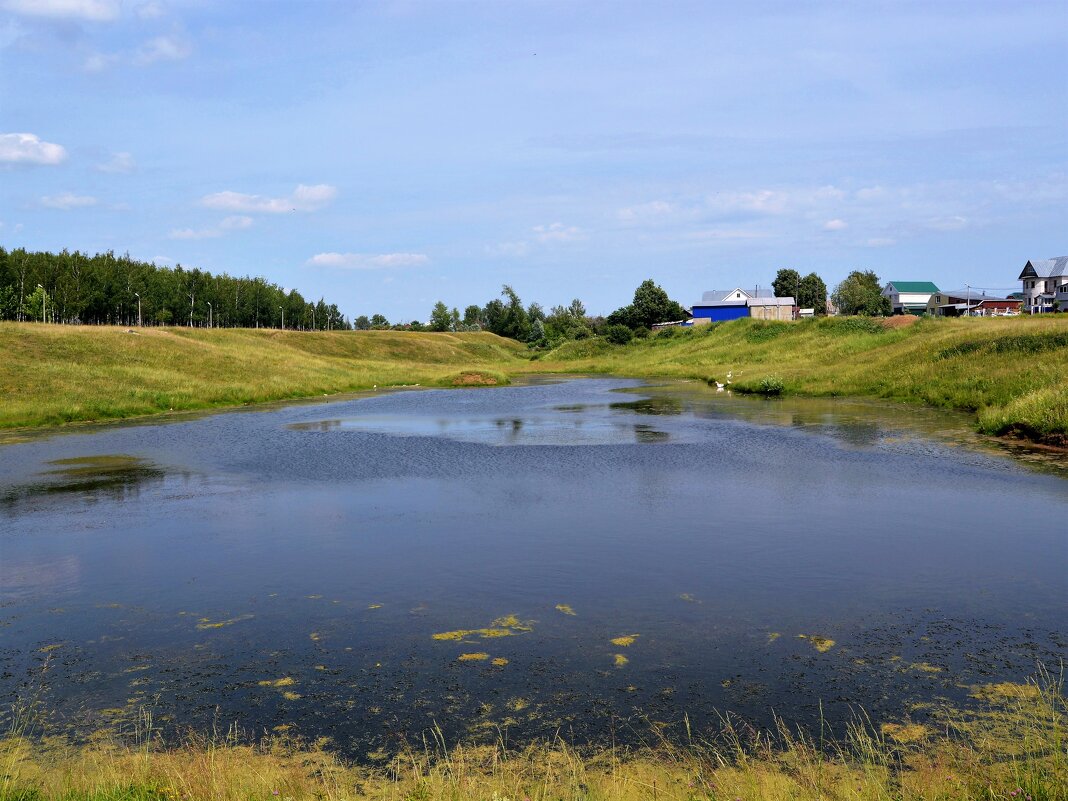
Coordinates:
[617,333]
[473,316]
[787,284]
[813,294]
[379,322]
[651,305]
[860,293]
[440,318]
[361,323]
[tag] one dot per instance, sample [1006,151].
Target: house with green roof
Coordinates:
[909,297]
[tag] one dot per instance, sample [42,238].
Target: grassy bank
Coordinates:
[1012,372]
[58,374]
[1011,747]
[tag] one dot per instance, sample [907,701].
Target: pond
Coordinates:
[588,556]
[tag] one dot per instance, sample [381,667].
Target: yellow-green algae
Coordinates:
[624,641]
[773,636]
[505,626]
[905,733]
[285,681]
[621,660]
[480,656]
[821,644]
[565,608]
[208,623]
[500,661]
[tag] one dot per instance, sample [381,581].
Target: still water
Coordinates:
[587,556]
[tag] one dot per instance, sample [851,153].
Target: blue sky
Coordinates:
[391,154]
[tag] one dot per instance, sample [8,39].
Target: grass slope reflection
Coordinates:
[368,579]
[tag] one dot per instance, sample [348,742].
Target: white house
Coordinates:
[909,297]
[1043,282]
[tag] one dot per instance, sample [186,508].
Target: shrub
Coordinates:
[617,334]
[771,385]
[763,331]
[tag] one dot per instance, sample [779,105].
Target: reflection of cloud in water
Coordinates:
[30,574]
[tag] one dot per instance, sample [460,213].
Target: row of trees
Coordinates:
[859,293]
[106,289]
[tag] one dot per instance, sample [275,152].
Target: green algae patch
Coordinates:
[688,598]
[566,609]
[1005,691]
[208,623]
[285,681]
[620,660]
[773,636]
[47,649]
[518,704]
[315,636]
[289,695]
[625,641]
[480,656]
[905,733]
[374,606]
[926,667]
[499,661]
[506,626]
[821,644]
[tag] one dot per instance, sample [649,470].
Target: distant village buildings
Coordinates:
[1045,290]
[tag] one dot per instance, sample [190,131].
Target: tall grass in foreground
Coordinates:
[1013,748]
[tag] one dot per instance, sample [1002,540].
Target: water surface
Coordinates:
[289,569]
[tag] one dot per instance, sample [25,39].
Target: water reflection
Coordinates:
[114,477]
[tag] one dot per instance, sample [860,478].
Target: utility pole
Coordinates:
[968,305]
[283,326]
[209,313]
[138,296]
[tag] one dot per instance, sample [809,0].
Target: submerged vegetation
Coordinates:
[1011,747]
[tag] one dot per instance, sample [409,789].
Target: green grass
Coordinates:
[1011,747]
[51,375]
[1012,373]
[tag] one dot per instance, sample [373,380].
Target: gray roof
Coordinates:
[717,295]
[773,301]
[974,294]
[1048,268]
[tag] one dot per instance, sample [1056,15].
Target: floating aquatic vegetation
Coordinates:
[313,597]
[821,644]
[773,636]
[621,660]
[285,681]
[481,656]
[500,661]
[50,648]
[315,636]
[1005,691]
[208,623]
[289,695]
[506,626]
[518,704]
[624,641]
[925,667]
[688,598]
[282,728]
[565,608]
[374,606]
[905,733]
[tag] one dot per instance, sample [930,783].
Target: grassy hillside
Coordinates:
[58,374]
[1013,372]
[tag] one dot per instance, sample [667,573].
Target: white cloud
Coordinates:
[557,232]
[68,200]
[508,249]
[234,223]
[92,10]
[643,212]
[151,10]
[26,148]
[835,225]
[952,223]
[161,48]
[119,163]
[303,198]
[367,261]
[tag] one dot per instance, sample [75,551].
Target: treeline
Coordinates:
[105,289]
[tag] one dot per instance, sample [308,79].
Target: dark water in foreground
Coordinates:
[290,567]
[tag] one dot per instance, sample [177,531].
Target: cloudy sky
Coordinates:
[390,154]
